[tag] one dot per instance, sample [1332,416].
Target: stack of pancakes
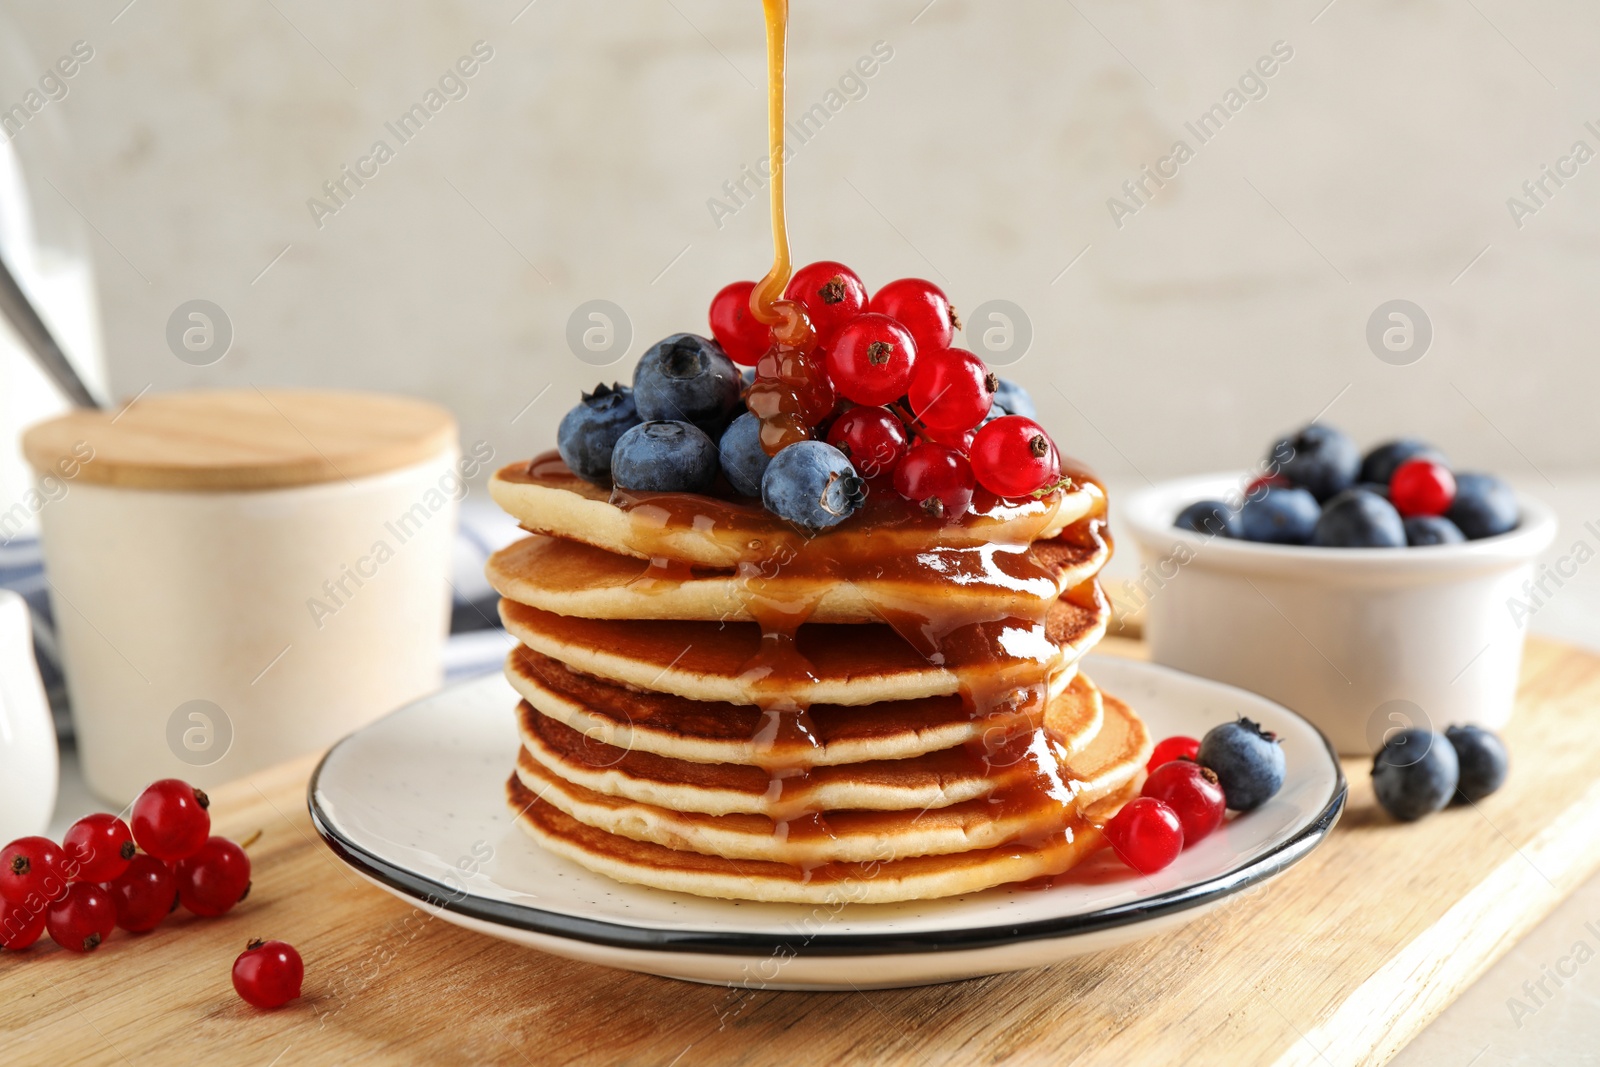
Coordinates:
[716,703]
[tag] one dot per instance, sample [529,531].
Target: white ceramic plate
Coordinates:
[416,803]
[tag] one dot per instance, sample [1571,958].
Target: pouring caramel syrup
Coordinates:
[1006,691]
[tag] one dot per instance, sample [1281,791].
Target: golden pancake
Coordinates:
[933,780]
[967,584]
[716,732]
[877,881]
[1036,805]
[859,664]
[546,497]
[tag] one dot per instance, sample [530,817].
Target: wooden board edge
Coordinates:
[1372,1025]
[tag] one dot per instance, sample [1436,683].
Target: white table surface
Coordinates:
[1481,1028]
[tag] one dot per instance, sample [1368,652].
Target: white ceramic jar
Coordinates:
[1359,641]
[242,577]
[29,764]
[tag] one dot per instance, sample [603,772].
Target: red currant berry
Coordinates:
[742,336]
[98,848]
[951,390]
[831,293]
[872,438]
[871,359]
[1257,487]
[1172,748]
[1422,487]
[20,924]
[938,478]
[268,973]
[170,819]
[1146,834]
[32,867]
[921,307]
[961,441]
[79,921]
[1192,792]
[1013,456]
[214,879]
[145,894]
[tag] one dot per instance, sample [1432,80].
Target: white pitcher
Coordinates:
[30,767]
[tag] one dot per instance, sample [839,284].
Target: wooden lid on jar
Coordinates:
[240,439]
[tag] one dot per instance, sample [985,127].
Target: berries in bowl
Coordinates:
[1335,581]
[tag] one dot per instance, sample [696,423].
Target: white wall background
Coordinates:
[579,165]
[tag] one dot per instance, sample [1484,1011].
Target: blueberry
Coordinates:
[1422,530]
[1374,488]
[589,432]
[1415,773]
[1318,458]
[1013,399]
[1484,506]
[1359,519]
[813,485]
[1380,464]
[1209,517]
[1279,516]
[1483,759]
[664,457]
[687,378]
[1247,760]
[743,459]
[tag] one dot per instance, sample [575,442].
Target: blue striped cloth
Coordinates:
[476,645]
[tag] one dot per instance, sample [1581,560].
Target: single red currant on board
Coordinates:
[98,847]
[214,879]
[32,867]
[921,307]
[831,293]
[871,359]
[1013,456]
[170,820]
[1192,792]
[742,336]
[872,438]
[268,974]
[1422,487]
[1146,834]
[937,478]
[145,894]
[20,924]
[1171,748]
[81,919]
[951,389]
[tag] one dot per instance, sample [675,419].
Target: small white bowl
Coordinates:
[1359,641]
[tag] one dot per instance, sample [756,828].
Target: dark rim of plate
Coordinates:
[766,945]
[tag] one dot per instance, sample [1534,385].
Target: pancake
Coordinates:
[979,582]
[1038,806]
[849,664]
[874,882]
[546,497]
[716,732]
[933,780]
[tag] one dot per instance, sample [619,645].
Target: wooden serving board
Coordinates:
[1340,961]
